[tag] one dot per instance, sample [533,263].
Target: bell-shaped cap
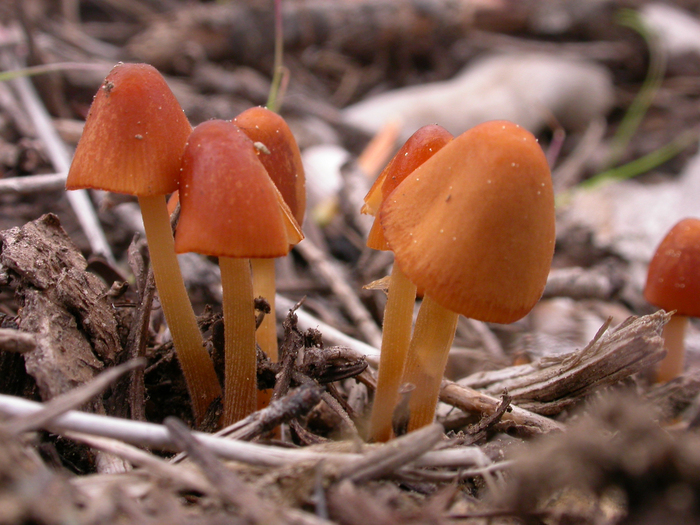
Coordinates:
[229,206]
[279,153]
[673,280]
[473,226]
[420,146]
[133,137]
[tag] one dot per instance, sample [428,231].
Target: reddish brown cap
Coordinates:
[133,137]
[673,281]
[474,224]
[229,207]
[420,146]
[280,155]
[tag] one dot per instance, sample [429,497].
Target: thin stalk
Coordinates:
[671,366]
[266,334]
[654,78]
[240,383]
[273,99]
[264,286]
[396,336]
[197,367]
[645,163]
[43,69]
[427,359]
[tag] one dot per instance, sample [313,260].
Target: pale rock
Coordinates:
[524,88]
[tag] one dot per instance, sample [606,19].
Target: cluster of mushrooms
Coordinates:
[240,186]
[470,221]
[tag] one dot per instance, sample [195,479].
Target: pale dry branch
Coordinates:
[553,383]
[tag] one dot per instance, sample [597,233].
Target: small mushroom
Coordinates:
[398,313]
[473,226]
[230,208]
[278,152]
[132,143]
[673,283]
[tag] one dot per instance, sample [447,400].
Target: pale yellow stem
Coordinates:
[671,366]
[266,334]
[396,335]
[264,286]
[427,359]
[240,383]
[197,367]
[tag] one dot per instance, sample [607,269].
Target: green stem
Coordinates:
[273,100]
[652,82]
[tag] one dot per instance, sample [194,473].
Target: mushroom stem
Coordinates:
[197,366]
[240,383]
[264,286]
[396,336]
[427,357]
[266,334]
[674,340]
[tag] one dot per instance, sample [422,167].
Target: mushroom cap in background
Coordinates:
[673,280]
[229,205]
[422,145]
[281,158]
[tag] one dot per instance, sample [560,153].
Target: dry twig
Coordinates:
[553,383]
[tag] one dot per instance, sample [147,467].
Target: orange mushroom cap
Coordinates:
[134,135]
[282,158]
[673,280]
[474,224]
[229,207]
[420,146]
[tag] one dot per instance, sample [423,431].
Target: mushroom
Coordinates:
[473,226]
[278,151]
[673,283]
[398,312]
[230,208]
[132,143]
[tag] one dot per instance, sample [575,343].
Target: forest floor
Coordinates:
[553,419]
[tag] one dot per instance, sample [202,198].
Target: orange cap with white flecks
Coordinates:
[134,135]
[473,226]
[673,280]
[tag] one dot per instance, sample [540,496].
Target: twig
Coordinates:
[33,184]
[318,260]
[488,340]
[12,340]
[568,174]
[410,474]
[470,400]
[296,403]
[50,68]
[60,158]
[553,383]
[229,486]
[158,437]
[580,283]
[137,338]
[185,478]
[333,403]
[330,334]
[397,453]
[72,399]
